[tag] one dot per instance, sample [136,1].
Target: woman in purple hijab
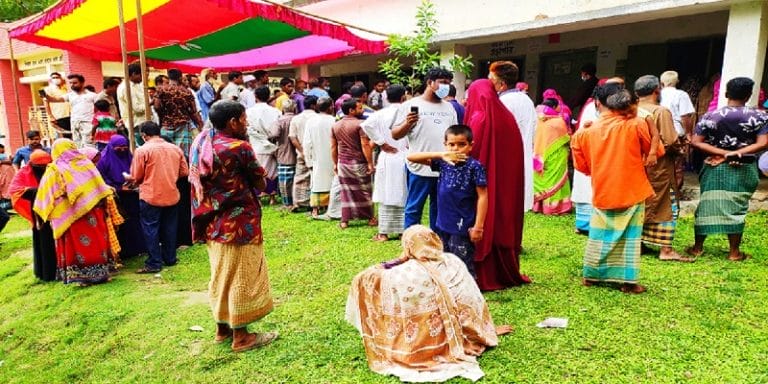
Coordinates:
[115,159]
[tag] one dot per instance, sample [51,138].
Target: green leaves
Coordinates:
[416,50]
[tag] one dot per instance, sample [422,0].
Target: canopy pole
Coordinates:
[143,60]
[127,80]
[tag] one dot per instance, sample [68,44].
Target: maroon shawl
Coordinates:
[498,145]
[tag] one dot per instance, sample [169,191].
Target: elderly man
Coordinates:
[679,103]
[661,209]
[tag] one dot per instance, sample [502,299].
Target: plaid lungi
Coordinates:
[391,219]
[662,234]
[613,248]
[239,290]
[180,135]
[285,175]
[301,183]
[356,191]
[583,215]
[725,194]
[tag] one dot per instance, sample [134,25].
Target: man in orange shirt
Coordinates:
[614,151]
[156,167]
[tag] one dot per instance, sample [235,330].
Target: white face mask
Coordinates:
[57,81]
[442,90]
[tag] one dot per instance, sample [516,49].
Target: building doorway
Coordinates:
[561,71]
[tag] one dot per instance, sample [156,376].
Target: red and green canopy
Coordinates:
[194,34]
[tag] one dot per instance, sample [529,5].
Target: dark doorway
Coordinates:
[561,71]
[692,59]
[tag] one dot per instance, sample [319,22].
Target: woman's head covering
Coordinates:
[71,186]
[89,152]
[421,243]
[522,86]
[40,157]
[498,145]
[113,163]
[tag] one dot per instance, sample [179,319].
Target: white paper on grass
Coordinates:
[553,322]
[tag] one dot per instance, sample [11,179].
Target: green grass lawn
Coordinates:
[704,322]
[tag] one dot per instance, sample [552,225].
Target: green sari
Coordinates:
[551,187]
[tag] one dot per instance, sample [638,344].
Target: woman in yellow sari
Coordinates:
[422,316]
[551,187]
[81,208]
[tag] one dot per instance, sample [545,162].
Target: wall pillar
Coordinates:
[745,46]
[302,72]
[447,51]
[15,139]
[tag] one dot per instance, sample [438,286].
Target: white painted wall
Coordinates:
[745,46]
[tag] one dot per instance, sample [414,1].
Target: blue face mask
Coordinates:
[442,90]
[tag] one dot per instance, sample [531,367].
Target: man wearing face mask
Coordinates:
[423,120]
[59,111]
[588,83]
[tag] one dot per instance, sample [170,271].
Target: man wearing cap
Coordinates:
[247,98]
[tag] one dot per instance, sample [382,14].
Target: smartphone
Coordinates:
[41,92]
[744,159]
[415,109]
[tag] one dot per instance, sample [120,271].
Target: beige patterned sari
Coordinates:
[422,317]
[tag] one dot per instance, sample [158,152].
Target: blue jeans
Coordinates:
[159,225]
[461,246]
[419,188]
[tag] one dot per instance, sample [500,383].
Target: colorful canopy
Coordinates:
[194,34]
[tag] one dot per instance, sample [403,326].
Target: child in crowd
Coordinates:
[104,125]
[462,195]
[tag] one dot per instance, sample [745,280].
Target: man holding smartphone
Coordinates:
[423,120]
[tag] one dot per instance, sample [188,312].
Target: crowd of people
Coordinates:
[213,152]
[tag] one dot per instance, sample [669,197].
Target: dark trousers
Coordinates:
[159,225]
[461,246]
[419,188]
[3,218]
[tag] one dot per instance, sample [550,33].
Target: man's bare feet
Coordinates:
[504,329]
[634,289]
[669,254]
[741,256]
[243,341]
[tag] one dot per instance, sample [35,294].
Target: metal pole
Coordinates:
[127,80]
[15,80]
[143,59]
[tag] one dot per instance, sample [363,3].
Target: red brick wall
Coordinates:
[89,68]
[15,139]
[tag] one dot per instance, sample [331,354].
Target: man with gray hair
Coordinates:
[679,103]
[661,209]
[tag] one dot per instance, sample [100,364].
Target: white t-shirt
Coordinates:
[82,105]
[428,134]
[230,92]
[679,103]
[260,119]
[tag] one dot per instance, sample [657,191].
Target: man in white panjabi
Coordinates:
[317,154]
[389,189]
[503,75]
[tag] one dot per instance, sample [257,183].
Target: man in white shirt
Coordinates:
[423,120]
[389,189]
[679,103]
[317,153]
[81,102]
[504,75]
[137,101]
[247,98]
[302,187]
[59,111]
[233,88]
